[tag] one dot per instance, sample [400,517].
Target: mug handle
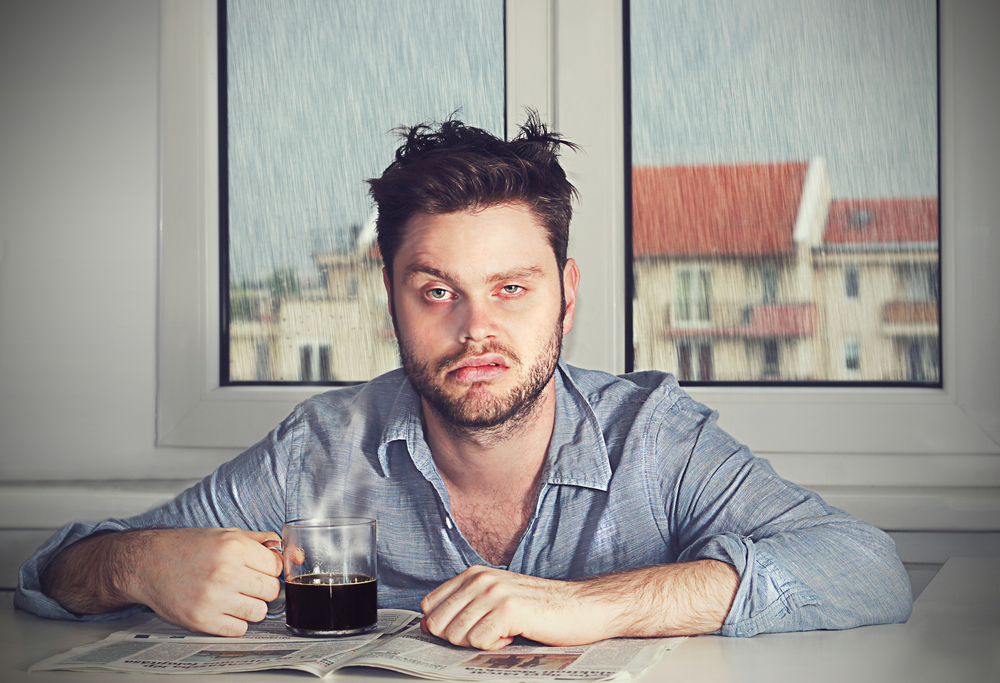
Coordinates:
[276,608]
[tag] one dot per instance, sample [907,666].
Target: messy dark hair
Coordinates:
[456,167]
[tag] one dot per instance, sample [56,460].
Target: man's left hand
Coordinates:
[485,608]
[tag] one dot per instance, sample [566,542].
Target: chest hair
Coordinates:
[494,526]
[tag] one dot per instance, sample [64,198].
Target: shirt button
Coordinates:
[447,522]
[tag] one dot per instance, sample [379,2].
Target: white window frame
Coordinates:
[564,58]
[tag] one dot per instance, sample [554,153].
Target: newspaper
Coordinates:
[396,644]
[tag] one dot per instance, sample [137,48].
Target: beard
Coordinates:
[478,410]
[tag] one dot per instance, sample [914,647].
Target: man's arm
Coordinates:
[246,492]
[485,608]
[208,580]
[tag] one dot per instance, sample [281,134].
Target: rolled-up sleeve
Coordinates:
[29,595]
[803,564]
[246,492]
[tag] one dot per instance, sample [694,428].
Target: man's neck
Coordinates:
[493,478]
[510,458]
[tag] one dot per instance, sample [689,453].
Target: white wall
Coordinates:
[79,230]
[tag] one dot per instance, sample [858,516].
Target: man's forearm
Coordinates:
[668,600]
[91,576]
[486,607]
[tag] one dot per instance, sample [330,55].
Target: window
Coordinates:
[557,61]
[772,363]
[694,361]
[769,278]
[312,90]
[315,362]
[693,301]
[851,282]
[920,281]
[852,355]
[923,359]
[818,171]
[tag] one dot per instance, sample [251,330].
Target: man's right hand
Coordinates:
[208,580]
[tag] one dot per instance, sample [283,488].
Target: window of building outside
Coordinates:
[787,207]
[694,360]
[852,354]
[312,92]
[851,284]
[694,296]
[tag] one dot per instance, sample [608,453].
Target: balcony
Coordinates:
[910,318]
[756,321]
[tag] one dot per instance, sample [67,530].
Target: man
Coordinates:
[515,495]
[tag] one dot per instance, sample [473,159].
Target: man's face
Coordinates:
[477,302]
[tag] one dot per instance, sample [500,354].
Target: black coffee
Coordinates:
[331,602]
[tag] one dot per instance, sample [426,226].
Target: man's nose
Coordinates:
[479,321]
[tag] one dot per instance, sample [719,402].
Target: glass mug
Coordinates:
[331,580]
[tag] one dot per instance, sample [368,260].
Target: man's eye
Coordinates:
[512,289]
[438,294]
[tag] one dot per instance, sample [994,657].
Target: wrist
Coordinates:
[123,568]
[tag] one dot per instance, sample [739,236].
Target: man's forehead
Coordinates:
[420,268]
[504,239]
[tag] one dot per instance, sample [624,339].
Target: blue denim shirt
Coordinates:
[637,474]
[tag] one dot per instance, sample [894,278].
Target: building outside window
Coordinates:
[819,172]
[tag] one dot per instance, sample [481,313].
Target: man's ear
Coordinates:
[571,281]
[387,281]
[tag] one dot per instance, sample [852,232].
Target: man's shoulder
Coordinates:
[650,392]
[598,386]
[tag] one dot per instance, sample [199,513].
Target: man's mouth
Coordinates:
[479,368]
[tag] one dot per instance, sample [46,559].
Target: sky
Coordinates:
[315,89]
[315,86]
[854,81]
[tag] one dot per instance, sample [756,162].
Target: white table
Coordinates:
[952,637]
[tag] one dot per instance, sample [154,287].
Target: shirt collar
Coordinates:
[577,456]
[404,424]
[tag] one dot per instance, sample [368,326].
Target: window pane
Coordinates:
[785,189]
[314,87]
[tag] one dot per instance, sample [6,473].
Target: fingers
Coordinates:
[263,559]
[213,580]
[474,609]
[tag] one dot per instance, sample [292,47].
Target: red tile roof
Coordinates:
[719,210]
[910,219]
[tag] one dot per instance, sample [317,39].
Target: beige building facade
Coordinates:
[754,273]
[341,332]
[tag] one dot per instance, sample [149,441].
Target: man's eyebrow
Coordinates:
[527,273]
[415,269]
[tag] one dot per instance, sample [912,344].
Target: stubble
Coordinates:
[478,412]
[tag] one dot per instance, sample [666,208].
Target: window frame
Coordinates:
[559,54]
